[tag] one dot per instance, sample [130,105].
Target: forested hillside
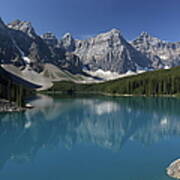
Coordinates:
[161,82]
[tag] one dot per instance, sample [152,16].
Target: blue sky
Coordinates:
[84,18]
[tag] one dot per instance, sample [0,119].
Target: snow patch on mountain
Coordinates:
[27,60]
[167,67]
[17,47]
[164,57]
[106,75]
[23,26]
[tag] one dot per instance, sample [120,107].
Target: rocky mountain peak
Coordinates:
[146,38]
[115,31]
[112,34]
[23,26]
[145,35]
[49,38]
[67,36]
[109,51]
[161,53]
[68,42]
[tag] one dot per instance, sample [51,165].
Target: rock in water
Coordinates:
[174,169]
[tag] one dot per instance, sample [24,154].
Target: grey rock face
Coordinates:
[50,39]
[110,52]
[57,53]
[20,42]
[23,26]
[71,63]
[68,43]
[29,44]
[40,50]
[160,53]
[107,51]
[61,53]
[8,52]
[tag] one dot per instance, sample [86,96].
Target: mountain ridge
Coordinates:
[106,52]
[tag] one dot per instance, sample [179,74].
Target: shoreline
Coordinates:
[106,94]
[7,106]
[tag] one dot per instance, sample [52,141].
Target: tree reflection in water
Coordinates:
[103,121]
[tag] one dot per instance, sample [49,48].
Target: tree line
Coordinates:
[160,82]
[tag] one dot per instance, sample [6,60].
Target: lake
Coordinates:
[91,138]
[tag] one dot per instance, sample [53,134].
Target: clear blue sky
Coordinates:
[82,18]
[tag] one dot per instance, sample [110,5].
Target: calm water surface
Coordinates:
[100,138]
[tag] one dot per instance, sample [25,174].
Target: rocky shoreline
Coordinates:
[6,106]
[174,169]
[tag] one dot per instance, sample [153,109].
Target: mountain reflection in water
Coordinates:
[106,122]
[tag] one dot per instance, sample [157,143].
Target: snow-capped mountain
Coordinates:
[110,52]
[28,44]
[8,51]
[50,39]
[23,26]
[68,43]
[60,56]
[162,54]
[21,45]
[107,53]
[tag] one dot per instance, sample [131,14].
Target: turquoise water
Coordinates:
[85,138]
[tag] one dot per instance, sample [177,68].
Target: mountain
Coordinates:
[8,51]
[50,39]
[105,55]
[23,26]
[32,48]
[60,57]
[107,51]
[162,54]
[21,46]
[68,43]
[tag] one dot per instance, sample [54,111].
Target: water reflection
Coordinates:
[106,122]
